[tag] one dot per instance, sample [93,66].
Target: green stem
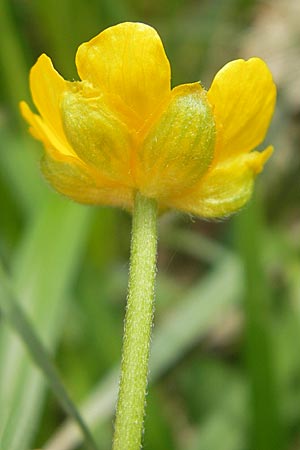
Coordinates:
[138,324]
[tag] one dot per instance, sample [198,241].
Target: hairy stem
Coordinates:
[138,324]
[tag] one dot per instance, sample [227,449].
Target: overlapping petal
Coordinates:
[96,134]
[128,60]
[41,131]
[243,96]
[225,188]
[47,87]
[179,148]
[72,178]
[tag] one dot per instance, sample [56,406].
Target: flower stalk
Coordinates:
[138,325]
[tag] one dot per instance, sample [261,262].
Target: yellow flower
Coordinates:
[122,128]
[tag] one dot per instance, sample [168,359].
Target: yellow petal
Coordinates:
[72,178]
[243,96]
[96,134]
[225,188]
[44,133]
[47,87]
[178,149]
[129,60]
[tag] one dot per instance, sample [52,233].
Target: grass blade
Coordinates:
[267,432]
[24,329]
[44,268]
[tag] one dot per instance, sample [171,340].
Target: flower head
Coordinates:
[122,129]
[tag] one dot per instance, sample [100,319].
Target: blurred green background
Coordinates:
[225,365]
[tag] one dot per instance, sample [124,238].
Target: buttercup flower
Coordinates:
[122,129]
